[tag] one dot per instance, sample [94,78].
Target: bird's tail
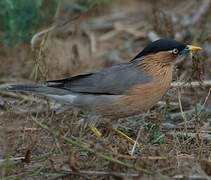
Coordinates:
[30,88]
[62,95]
[39,89]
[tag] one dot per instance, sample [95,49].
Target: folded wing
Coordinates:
[111,81]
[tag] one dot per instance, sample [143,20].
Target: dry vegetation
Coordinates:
[40,139]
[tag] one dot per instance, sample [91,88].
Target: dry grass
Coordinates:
[41,139]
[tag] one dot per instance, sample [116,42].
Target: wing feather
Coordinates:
[114,80]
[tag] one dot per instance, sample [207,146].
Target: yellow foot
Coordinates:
[126,137]
[95,130]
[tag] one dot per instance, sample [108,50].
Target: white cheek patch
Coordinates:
[67,99]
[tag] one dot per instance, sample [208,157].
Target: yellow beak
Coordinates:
[193,48]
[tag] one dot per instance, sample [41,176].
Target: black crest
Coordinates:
[161,45]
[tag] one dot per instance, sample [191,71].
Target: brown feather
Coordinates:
[153,64]
[142,97]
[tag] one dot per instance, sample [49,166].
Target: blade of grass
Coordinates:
[109,158]
[36,173]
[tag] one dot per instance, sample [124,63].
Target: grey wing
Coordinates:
[114,80]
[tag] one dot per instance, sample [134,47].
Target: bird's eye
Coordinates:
[175,51]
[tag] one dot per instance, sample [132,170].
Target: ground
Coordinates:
[41,139]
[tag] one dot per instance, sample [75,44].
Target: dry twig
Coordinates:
[109,158]
[181,109]
[206,83]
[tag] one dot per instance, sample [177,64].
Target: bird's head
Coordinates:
[166,50]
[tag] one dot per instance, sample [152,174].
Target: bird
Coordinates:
[122,90]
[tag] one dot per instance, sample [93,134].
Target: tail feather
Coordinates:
[39,89]
[32,88]
[62,95]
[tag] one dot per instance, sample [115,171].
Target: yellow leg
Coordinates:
[126,137]
[99,134]
[95,130]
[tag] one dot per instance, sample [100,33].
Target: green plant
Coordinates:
[156,136]
[20,19]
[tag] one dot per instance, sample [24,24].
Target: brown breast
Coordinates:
[143,97]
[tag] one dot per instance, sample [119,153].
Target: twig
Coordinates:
[102,173]
[206,99]
[178,114]
[181,109]
[192,84]
[37,35]
[11,130]
[92,40]
[197,131]
[170,103]
[108,35]
[19,159]
[53,27]
[177,157]
[109,158]
[134,146]
[190,177]
[11,159]
[170,157]
[202,135]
